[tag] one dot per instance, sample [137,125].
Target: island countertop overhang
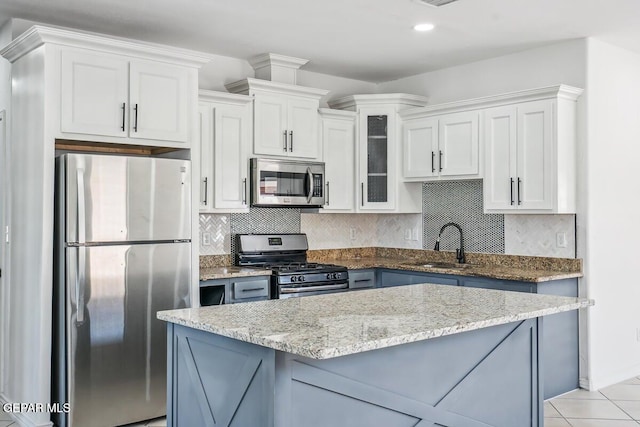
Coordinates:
[328,326]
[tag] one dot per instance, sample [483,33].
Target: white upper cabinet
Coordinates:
[225,147]
[338,144]
[285,118]
[441,146]
[95,93]
[379,184]
[114,95]
[530,153]
[158,101]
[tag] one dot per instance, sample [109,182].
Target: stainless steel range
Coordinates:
[286,256]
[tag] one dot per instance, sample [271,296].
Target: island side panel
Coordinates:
[454,381]
[217,381]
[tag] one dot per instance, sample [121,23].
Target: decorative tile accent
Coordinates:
[333,231]
[216,229]
[536,235]
[264,220]
[460,202]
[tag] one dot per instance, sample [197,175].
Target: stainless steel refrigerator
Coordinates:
[123,245]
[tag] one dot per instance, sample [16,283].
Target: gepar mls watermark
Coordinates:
[36,407]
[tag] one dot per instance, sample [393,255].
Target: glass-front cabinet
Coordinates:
[376,189]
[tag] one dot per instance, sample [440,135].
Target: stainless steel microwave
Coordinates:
[287,183]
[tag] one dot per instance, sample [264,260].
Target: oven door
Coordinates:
[286,183]
[289,291]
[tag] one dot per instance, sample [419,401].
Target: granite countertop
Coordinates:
[327,326]
[226,272]
[523,274]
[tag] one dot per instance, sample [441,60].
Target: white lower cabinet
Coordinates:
[225,145]
[338,146]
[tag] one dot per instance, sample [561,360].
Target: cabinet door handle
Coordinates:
[327,184]
[285,141]
[124,106]
[511,188]
[361,280]
[206,190]
[244,191]
[440,161]
[519,199]
[433,162]
[251,289]
[362,194]
[291,141]
[135,120]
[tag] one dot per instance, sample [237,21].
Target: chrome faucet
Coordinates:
[459,252]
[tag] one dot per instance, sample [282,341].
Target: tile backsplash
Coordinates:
[443,202]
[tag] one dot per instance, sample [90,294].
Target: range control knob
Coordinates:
[297,278]
[333,276]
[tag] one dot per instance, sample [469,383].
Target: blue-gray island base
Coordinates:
[469,357]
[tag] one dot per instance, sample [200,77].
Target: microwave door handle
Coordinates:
[309,186]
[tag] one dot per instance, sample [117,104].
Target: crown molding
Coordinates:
[352,101]
[223,97]
[38,35]
[569,93]
[249,85]
[330,113]
[268,59]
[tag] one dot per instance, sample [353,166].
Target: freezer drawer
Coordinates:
[116,348]
[124,199]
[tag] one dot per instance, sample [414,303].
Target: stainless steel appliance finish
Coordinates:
[123,253]
[287,183]
[292,275]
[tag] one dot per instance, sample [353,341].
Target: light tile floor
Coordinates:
[615,406]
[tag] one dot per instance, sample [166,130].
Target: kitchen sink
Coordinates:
[444,265]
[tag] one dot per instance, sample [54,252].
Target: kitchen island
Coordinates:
[413,355]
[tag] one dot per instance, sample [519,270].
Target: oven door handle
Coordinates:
[314,288]
[310,186]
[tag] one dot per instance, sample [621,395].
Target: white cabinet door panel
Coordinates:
[535,155]
[339,157]
[302,125]
[94,94]
[500,152]
[420,148]
[159,104]
[458,144]
[270,125]
[232,136]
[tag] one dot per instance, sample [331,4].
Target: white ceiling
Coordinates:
[370,40]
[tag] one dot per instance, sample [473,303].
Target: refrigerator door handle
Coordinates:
[81,207]
[80,285]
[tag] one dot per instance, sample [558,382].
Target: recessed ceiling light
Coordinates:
[424,27]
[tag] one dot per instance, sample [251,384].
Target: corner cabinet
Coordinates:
[530,158]
[285,118]
[225,144]
[379,187]
[337,133]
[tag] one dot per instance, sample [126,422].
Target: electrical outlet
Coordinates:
[352,233]
[206,239]
[561,240]
[414,234]
[638,334]
[407,234]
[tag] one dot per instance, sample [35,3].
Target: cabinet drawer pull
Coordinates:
[252,289]
[285,140]
[124,106]
[291,141]
[511,189]
[433,162]
[519,199]
[206,190]
[440,161]
[135,120]
[361,280]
